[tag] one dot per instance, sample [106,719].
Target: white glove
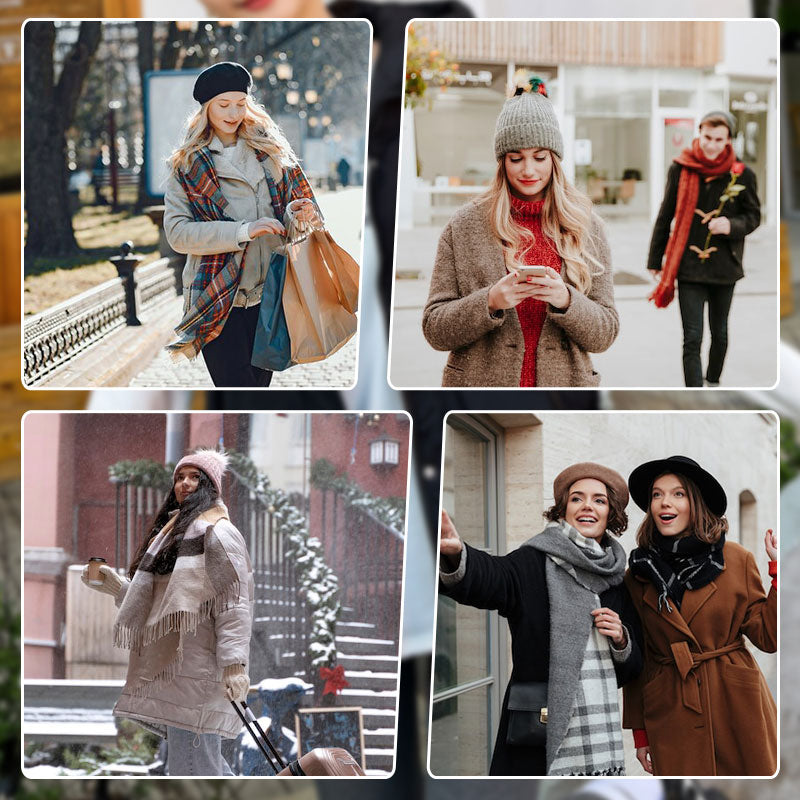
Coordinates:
[112,583]
[237,682]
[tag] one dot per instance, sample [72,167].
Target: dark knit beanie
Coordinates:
[227,76]
[730,120]
[528,119]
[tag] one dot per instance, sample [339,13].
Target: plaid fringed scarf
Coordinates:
[584,730]
[674,564]
[217,279]
[179,583]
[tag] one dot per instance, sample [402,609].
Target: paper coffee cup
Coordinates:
[95,577]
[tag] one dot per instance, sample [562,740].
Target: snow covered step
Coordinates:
[379,737]
[365,661]
[364,645]
[370,697]
[378,718]
[366,679]
[379,758]
[354,628]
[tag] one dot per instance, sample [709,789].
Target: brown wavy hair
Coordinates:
[707,526]
[617,521]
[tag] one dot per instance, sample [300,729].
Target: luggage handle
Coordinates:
[248,718]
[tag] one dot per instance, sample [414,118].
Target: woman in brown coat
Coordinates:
[521,290]
[701,705]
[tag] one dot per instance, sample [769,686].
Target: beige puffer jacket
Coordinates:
[195,700]
[244,185]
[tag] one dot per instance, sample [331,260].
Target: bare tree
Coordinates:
[49,110]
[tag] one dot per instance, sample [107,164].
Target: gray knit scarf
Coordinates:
[160,607]
[575,577]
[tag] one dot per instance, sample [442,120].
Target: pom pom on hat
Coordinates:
[533,84]
[528,119]
[212,462]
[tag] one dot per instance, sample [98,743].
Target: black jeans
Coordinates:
[228,356]
[692,297]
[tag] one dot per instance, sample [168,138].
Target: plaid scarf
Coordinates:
[193,579]
[674,565]
[217,279]
[584,733]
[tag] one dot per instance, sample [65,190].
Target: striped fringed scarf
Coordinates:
[199,582]
[216,281]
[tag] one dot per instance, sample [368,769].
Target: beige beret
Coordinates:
[587,469]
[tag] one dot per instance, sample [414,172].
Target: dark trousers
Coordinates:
[692,298]
[228,356]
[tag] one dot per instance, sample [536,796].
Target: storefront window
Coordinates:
[608,91]
[465,685]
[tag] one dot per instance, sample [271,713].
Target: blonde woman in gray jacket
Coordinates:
[234,186]
[521,290]
[185,614]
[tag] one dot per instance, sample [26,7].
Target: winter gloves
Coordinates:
[237,682]
[112,583]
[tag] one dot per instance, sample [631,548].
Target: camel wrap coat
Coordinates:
[488,350]
[701,698]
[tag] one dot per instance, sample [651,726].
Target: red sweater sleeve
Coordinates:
[640,738]
[773,573]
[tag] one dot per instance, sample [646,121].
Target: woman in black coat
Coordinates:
[569,615]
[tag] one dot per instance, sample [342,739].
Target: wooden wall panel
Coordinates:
[615,43]
[11,251]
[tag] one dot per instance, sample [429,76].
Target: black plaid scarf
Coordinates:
[674,565]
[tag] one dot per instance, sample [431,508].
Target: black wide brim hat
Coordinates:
[227,76]
[641,481]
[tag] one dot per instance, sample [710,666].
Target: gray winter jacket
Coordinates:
[195,700]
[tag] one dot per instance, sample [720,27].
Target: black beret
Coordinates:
[227,76]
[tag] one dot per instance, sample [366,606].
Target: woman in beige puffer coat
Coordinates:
[185,613]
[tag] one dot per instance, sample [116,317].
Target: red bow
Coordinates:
[334,679]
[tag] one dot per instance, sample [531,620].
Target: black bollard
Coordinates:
[125,263]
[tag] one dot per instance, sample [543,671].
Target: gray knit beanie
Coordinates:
[528,120]
[730,120]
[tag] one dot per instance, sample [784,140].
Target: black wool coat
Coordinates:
[516,587]
[744,212]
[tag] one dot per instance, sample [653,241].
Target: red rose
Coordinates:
[737,168]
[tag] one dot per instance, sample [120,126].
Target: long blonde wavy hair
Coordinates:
[257,128]
[566,221]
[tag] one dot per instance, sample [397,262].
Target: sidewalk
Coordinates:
[648,350]
[135,357]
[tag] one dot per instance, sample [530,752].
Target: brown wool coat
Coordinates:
[488,351]
[719,718]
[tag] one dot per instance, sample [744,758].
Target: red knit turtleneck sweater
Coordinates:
[532,313]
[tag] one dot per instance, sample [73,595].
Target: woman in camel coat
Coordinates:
[522,288]
[701,705]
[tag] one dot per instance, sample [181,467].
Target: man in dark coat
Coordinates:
[713,201]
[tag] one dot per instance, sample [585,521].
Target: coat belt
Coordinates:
[685,661]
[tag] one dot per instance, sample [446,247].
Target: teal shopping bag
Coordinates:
[272,348]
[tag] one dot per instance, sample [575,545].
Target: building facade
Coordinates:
[497,480]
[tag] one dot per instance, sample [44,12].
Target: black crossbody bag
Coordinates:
[527,714]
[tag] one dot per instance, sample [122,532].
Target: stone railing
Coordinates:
[54,336]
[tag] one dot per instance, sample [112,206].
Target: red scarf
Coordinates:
[694,164]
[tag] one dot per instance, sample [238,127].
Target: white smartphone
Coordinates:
[531,272]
